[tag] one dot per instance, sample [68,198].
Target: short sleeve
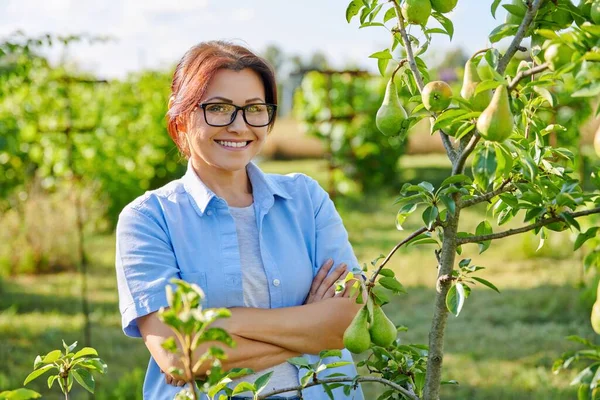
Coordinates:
[331,236]
[145,263]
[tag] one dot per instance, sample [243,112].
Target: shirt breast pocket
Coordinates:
[198,278]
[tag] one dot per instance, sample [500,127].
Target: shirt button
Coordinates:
[209,213]
[276,282]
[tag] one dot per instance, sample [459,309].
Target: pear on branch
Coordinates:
[416,12]
[356,336]
[391,114]
[471,79]
[443,6]
[436,96]
[496,122]
[383,331]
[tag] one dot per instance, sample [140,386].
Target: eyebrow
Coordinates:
[226,100]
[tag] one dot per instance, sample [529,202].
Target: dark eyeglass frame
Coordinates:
[238,108]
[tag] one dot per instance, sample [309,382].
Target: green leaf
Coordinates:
[445,22]
[243,387]
[486,85]
[337,364]
[502,31]
[484,228]
[299,361]
[37,373]
[330,353]
[389,14]
[484,166]
[262,381]
[51,357]
[584,237]
[403,213]
[84,378]
[460,178]
[86,351]
[449,203]
[19,394]
[486,283]
[545,93]
[353,9]
[430,215]
[455,298]
[170,345]
[382,64]
[51,380]
[391,284]
[494,7]
[387,272]
[444,119]
[464,262]
[383,54]
[427,186]
[514,10]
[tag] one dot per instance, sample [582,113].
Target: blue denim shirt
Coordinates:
[183,230]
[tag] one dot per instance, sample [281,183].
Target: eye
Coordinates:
[255,108]
[219,108]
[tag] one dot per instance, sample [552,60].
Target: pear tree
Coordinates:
[497,123]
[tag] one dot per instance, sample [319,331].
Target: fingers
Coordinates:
[328,285]
[316,283]
[172,381]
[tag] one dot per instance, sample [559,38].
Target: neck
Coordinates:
[232,186]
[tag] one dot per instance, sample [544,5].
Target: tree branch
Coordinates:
[396,247]
[316,382]
[532,9]
[418,79]
[504,187]
[510,232]
[524,74]
[464,154]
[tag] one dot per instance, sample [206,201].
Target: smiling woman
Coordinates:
[263,245]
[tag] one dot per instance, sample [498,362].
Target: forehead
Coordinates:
[236,85]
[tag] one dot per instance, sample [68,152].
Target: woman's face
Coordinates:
[231,147]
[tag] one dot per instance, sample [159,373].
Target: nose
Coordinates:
[238,125]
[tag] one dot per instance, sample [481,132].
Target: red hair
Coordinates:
[194,72]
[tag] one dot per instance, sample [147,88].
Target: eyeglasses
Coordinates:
[223,114]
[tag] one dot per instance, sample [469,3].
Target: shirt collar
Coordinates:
[264,187]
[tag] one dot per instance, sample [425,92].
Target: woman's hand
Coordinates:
[171,380]
[323,286]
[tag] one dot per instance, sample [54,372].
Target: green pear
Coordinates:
[595,12]
[557,55]
[470,81]
[391,114]
[436,96]
[383,331]
[443,6]
[496,122]
[416,12]
[356,336]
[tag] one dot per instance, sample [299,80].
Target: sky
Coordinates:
[156,33]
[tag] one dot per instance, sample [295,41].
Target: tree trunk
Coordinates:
[440,312]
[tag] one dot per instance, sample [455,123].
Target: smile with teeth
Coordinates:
[226,143]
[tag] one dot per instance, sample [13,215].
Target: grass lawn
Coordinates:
[501,346]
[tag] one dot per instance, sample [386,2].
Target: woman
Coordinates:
[259,244]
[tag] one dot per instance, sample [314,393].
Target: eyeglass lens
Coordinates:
[221,114]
